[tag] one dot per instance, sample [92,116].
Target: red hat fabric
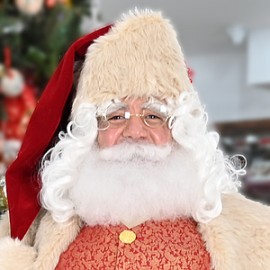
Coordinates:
[22,176]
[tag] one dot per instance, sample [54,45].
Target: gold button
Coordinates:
[127,236]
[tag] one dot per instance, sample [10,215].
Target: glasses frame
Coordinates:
[128,115]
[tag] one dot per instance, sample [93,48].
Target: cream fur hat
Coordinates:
[139,57]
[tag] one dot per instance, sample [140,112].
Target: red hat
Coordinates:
[52,110]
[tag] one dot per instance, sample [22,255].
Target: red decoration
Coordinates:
[7,57]
[18,111]
[12,83]
[191,74]
[51,3]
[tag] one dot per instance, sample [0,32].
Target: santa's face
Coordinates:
[137,172]
[135,127]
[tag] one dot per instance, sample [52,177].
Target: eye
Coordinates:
[153,119]
[116,116]
[153,116]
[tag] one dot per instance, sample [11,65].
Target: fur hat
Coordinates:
[139,56]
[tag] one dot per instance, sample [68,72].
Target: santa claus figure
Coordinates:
[119,171]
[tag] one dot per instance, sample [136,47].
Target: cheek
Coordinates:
[108,138]
[161,137]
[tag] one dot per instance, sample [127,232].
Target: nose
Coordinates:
[135,129]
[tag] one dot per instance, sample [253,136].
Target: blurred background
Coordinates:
[227,48]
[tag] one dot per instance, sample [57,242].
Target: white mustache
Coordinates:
[135,151]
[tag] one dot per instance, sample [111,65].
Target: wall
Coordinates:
[220,80]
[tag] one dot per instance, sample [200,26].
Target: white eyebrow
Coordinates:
[156,107]
[115,107]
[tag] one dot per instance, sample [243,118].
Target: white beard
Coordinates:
[132,183]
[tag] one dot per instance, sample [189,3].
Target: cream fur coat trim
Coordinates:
[239,239]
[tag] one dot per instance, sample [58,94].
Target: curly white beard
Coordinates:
[134,182]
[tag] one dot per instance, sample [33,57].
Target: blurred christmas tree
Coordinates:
[38,32]
[34,35]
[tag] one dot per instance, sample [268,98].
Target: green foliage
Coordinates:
[37,49]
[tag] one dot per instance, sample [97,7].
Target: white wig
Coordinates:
[62,163]
[216,171]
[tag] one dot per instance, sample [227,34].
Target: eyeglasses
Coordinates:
[120,118]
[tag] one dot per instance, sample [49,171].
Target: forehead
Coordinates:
[134,102]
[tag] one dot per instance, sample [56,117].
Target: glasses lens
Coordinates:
[153,119]
[117,118]
[102,123]
[112,120]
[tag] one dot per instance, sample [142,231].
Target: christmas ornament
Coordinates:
[29,7]
[18,111]
[51,3]
[14,109]
[12,83]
